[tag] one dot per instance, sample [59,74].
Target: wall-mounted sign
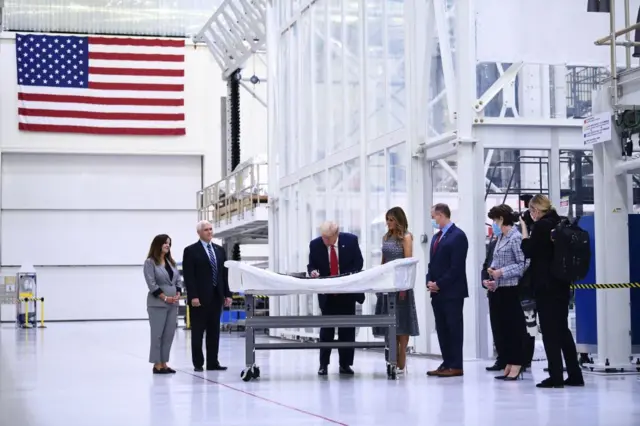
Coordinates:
[596,129]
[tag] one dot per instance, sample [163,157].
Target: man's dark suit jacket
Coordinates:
[198,276]
[447,266]
[349,259]
[491,245]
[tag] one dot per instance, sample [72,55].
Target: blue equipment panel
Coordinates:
[585,300]
[586,310]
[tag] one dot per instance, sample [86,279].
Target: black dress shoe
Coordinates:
[170,370]
[346,370]
[496,367]
[322,371]
[217,368]
[160,371]
[549,384]
[574,381]
[198,369]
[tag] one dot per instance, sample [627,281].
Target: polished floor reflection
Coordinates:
[81,374]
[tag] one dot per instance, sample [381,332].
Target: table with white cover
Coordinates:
[392,277]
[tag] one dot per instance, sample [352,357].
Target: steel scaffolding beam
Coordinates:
[235,32]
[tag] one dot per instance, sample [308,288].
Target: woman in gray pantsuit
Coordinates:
[163,281]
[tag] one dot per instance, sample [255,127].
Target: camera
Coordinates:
[515,217]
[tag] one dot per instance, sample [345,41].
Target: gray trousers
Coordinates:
[163,323]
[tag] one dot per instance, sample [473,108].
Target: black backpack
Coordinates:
[572,251]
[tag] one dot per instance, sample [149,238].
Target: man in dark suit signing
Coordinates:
[205,278]
[336,253]
[447,283]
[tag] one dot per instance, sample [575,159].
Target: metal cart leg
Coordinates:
[251,371]
[391,338]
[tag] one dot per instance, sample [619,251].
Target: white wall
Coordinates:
[522,30]
[84,208]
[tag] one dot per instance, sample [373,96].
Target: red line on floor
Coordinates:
[317,416]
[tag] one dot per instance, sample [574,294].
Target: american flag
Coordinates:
[100,85]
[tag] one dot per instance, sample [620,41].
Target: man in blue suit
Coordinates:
[447,283]
[336,253]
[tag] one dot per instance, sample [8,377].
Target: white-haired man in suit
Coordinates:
[206,280]
[336,253]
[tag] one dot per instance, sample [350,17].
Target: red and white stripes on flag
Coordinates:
[100,85]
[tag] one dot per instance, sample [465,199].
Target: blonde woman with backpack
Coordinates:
[552,295]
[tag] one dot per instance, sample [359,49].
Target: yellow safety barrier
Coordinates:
[26,301]
[42,313]
[605,286]
[26,313]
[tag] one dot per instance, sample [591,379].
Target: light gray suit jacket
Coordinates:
[157,277]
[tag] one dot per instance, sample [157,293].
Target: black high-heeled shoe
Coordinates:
[502,377]
[519,376]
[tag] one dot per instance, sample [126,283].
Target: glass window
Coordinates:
[395,66]
[320,79]
[377,204]
[294,100]
[335,207]
[397,174]
[337,73]
[376,85]
[284,104]
[305,129]
[320,200]
[293,225]
[353,65]
[352,199]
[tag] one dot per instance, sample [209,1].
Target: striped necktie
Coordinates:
[214,264]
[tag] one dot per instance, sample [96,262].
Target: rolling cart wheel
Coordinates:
[246,375]
[256,372]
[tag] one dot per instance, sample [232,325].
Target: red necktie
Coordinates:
[333,262]
[435,243]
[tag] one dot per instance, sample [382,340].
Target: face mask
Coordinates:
[496,229]
[434,224]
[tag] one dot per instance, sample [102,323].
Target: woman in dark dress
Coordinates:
[398,244]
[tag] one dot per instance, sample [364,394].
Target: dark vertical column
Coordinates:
[233,99]
[233,102]
[225,155]
[579,184]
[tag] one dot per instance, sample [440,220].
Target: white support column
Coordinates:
[364,170]
[471,179]
[612,251]
[612,257]
[273,37]
[418,211]
[426,321]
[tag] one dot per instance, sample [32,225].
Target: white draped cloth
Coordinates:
[397,275]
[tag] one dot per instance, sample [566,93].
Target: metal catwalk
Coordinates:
[80,374]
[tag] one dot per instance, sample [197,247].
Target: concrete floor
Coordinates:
[96,374]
